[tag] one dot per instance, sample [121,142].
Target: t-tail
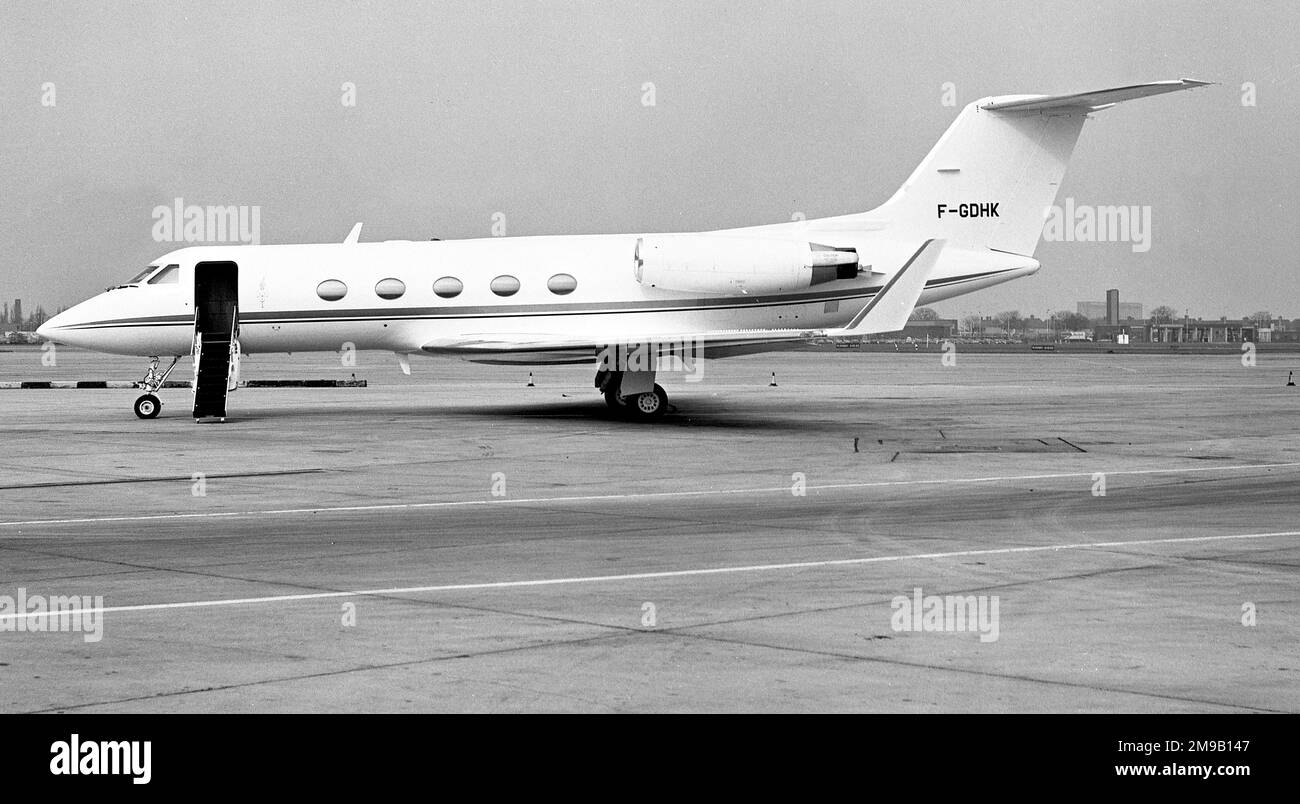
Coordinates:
[989,181]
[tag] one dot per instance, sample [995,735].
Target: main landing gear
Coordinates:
[644,405]
[149,406]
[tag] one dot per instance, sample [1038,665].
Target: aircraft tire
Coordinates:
[148,407]
[649,405]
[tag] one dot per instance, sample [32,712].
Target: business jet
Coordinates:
[969,217]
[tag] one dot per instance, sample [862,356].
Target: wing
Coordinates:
[545,348]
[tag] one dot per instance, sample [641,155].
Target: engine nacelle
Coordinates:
[738,265]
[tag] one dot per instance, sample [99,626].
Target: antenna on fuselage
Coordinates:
[353,235]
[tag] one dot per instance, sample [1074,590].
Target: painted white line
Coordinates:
[343,509]
[643,576]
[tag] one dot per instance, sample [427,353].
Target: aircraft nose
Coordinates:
[55,329]
[47,329]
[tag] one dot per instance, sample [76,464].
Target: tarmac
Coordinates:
[459,541]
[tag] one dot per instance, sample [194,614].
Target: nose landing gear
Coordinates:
[149,406]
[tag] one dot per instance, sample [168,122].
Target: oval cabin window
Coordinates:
[390,288]
[448,287]
[505,286]
[562,284]
[331,290]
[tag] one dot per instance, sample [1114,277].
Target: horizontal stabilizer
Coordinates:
[1090,101]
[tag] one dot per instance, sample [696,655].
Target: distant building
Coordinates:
[1197,330]
[18,314]
[1112,306]
[1283,330]
[1096,311]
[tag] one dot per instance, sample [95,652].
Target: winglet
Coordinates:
[889,310]
[353,235]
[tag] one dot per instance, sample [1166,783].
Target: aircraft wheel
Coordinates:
[651,404]
[148,407]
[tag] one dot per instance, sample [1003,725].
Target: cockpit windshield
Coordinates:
[167,276]
[140,276]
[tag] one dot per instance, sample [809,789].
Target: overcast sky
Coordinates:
[535,110]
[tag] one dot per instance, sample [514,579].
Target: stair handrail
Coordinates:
[232,358]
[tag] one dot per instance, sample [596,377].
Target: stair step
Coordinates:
[212,377]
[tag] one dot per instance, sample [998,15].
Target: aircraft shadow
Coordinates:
[701,413]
